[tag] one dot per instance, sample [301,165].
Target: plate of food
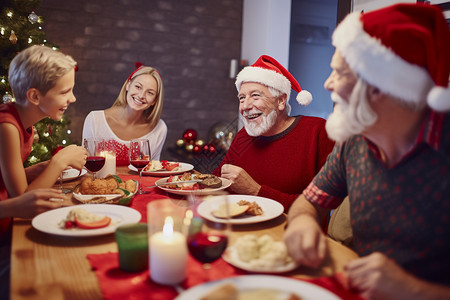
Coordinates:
[202,184]
[244,209]
[72,173]
[164,168]
[85,219]
[259,254]
[111,189]
[257,287]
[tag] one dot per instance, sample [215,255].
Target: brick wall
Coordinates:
[191,43]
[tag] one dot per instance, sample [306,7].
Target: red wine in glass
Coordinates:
[205,247]
[139,164]
[95,163]
[139,156]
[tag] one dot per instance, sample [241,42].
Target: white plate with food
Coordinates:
[270,209]
[50,221]
[231,256]
[72,173]
[204,191]
[257,287]
[183,167]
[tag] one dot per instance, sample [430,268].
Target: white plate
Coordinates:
[184,168]
[225,184]
[271,209]
[231,256]
[48,222]
[72,173]
[303,289]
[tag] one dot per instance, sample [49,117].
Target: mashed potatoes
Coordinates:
[262,252]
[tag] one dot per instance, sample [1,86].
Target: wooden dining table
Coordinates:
[46,266]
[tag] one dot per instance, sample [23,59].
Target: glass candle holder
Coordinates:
[167,242]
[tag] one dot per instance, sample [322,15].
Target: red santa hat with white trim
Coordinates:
[403,49]
[269,72]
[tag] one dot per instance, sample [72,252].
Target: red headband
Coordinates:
[140,67]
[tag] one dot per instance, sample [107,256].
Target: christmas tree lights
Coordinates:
[21,27]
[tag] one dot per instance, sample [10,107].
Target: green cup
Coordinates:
[132,241]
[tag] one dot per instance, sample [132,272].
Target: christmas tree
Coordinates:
[21,27]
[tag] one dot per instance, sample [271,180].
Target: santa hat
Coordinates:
[404,50]
[269,72]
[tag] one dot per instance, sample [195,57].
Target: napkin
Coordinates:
[117,284]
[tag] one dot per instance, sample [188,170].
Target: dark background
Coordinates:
[190,42]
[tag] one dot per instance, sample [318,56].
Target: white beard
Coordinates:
[352,117]
[254,129]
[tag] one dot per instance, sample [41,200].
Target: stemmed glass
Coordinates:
[208,239]
[139,155]
[96,159]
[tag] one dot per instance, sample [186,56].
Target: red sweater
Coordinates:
[283,164]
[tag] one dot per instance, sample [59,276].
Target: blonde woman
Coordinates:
[136,113]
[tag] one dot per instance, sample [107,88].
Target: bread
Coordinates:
[234,211]
[226,291]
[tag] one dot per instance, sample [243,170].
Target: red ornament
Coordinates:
[212,148]
[206,148]
[197,149]
[190,135]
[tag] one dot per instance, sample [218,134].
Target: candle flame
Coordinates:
[168,226]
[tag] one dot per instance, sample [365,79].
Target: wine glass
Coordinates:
[96,159]
[207,239]
[139,154]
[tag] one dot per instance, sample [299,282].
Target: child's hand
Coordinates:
[73,156]
[34,202]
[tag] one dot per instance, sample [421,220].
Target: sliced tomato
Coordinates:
[171,166]
[93,225]
[194,186]
[69,224]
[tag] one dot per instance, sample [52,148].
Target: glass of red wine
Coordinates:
[96,159]
[139,154]
[207,239]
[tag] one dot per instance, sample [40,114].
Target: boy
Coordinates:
[42,81]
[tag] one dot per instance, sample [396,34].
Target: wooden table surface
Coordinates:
[45,266]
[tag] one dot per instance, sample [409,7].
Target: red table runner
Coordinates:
[116,284]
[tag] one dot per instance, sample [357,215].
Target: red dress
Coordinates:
[8,114]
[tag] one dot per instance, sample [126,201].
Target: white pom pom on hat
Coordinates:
[401,49]
[269,72]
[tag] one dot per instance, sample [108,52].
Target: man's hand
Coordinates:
[378,277]
[305,242]
[243,183]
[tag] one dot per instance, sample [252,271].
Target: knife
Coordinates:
[174,183]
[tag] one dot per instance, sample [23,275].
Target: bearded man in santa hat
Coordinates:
[275,155]
[390,87]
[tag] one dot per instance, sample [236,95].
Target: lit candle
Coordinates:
[168,255]
[110,164]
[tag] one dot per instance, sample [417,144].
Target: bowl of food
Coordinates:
[111,189]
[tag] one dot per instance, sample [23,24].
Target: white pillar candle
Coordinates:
[110,164]
[168,255]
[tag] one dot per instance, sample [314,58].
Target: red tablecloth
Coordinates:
[120,285]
